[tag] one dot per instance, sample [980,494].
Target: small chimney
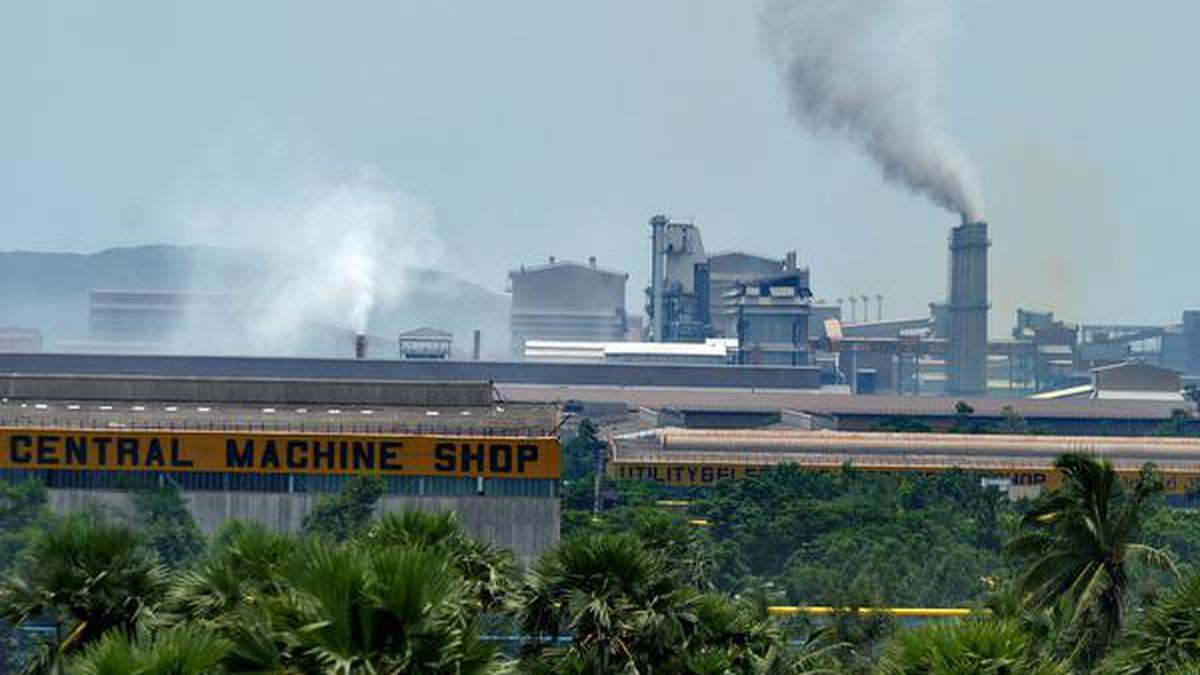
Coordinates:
[360,346]
[552,260]
[592,261]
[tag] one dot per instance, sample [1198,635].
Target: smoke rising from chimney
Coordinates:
[865,70]
[332,253]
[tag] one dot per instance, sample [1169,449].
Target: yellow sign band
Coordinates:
[272,452]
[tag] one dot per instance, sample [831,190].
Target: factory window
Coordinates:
[444,485]
[403,485]
[253,482]
[318,484]
[521,487]
[257,482]
[202,482]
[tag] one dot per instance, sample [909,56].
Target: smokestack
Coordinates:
[967,303]
[879,306]
[658,226]
[360,346]
[476,347]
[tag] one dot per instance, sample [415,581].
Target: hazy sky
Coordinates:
[545,127]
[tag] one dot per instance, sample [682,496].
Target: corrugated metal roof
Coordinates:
[842,404]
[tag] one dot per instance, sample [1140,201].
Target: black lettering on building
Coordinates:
[500,456]
[445,457]
[389,455]
[297,454]
[477,457]
[239,458]
[154,454]
[127,451]
[322,453]
[47,450]
[526,452]
[75,450]
[18,449]
[270,455]
[101,444]
[176,460]
[364,455]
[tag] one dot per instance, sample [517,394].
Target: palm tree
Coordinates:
[626,610]
[987,647]
[607,592]
[351,609]
[86,577]
[488,571]
[184,650]
[246,563]
[1077,543]
[1166,638]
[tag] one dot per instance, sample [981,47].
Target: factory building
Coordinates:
[267,450]
[20,339]
[426,343]
[159,320]
[566,301]
[770,316]
[688,289]
[1023,465]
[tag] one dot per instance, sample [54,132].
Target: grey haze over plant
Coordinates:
[865,70]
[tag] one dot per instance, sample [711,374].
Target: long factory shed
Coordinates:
[266,449]
[1083,417]
[702,457]
[415,370]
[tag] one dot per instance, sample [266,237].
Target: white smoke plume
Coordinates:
[332,254]
[865,70]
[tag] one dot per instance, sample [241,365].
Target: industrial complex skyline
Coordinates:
[570,129]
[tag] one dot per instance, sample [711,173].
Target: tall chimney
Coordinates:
[658,231]
[476,348]
[360,346]
[967,303]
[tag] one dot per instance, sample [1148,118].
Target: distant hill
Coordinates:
[49,291]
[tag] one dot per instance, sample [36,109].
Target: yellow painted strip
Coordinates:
[901,612]
[278,452]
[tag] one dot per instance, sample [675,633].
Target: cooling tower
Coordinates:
[967,304]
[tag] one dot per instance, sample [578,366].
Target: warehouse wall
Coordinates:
[470,372]
[526,525]
[243,390]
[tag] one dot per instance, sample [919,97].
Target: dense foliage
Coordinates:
[660,582]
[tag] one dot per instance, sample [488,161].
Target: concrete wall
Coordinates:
[243,390]
[526,525]
[763,377]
